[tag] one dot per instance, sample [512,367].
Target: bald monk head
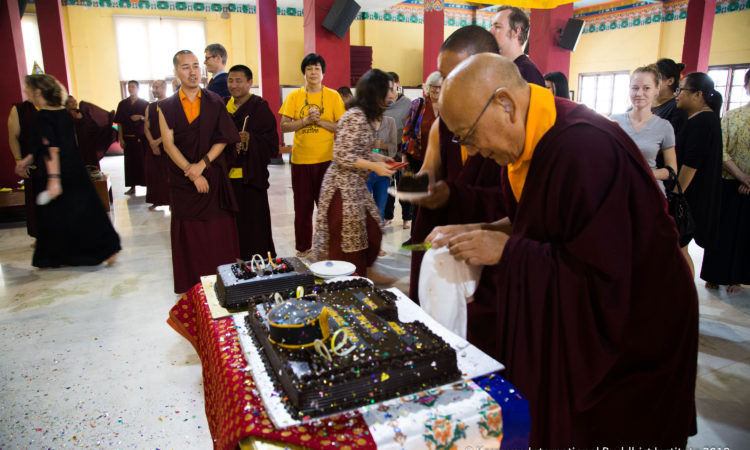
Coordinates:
[462,43]
[187,69]
[159,89]
[484,103]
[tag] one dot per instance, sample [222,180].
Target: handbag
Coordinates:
[679,208]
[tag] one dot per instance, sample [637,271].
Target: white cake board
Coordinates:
[472,362]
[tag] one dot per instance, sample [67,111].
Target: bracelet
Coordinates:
[53,175]
[206,160]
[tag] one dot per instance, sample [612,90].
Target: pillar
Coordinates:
[698,28]
[434,24]
[11,45]
[546,27]
[318,40]
[268,55]
[52,37]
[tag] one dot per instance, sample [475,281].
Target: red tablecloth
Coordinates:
[233,406]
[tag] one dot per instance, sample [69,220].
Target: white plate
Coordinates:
[407,196]
[330,269]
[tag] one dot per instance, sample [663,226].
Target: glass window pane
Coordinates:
[588,90]
[621,96]
[738,77]
[604,94]
[720,77]
[31,44]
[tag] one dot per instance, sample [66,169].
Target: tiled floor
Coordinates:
[86,358]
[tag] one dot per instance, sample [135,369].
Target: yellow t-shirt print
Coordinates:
[313,144]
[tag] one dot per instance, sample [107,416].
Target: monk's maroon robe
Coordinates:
[251,191]
[157,188]
[135,140]
[595,310]
[93,132]
[203,230]
[475,197]
[26,114]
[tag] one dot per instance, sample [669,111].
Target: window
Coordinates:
[146,45]
[606,93]
[730,82]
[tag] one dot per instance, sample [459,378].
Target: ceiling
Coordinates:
[379,5]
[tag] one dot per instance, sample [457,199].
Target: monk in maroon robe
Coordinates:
[465,189]
[20,125]
[248,162]
[157,188]
[130,116]
[595,309]
[93,129]
[195,127]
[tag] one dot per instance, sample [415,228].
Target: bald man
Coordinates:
[465,189]
[195,128]
[157,192]
[595,310]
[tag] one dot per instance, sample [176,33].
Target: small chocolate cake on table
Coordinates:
[237,283]
[413,183]
[342,346]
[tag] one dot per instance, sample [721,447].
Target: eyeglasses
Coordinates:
[678,90]
[462,140]
[435,88]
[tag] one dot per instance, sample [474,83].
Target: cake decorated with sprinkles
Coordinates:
[342,346]
[238,282]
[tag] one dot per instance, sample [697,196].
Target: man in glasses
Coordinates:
[216,64]
[596,309]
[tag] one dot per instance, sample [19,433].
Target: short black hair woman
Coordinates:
[347,226]
[73,228]
[729,262]
[557,82]
[699,155]
[665,104]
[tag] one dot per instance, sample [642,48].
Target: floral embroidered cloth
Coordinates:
[234,409]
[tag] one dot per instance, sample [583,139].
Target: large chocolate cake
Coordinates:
[236,283]
[413,183]
[381,357]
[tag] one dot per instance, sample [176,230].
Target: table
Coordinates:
[234,409]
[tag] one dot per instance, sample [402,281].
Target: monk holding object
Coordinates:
[602,346]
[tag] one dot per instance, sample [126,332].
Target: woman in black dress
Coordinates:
[699,155]
[665,103]
[74,229]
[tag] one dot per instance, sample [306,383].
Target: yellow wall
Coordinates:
[396,46]
[626,49]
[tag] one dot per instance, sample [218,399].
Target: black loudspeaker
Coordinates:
[340,17]
[571,34]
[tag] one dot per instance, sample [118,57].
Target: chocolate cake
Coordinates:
[379,358]
[413,183]
[237,283]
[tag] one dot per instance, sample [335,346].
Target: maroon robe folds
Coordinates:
[475,197]
[157,192]
[135,140]
[94,132]
[26,114]
[251,191]
[203,230]
[595,310]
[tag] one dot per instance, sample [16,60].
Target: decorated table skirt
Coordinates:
[234,408]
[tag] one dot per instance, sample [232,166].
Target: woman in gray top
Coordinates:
[651,133]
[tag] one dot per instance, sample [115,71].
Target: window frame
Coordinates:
[726,95]
[597,75]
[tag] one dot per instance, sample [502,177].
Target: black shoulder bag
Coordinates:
[679,208]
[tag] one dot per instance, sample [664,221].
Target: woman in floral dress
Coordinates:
[347,226]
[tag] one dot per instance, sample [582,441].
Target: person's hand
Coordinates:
[201,184]
[744,190]
[244,137]
[154,148]
[381,168]
[238,147]
[745,180]
[193,171]
[122,144]
[23,166]
[54,188]
[314,115]
[439,195]
[449,231]
[478,247]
